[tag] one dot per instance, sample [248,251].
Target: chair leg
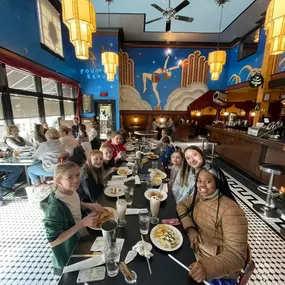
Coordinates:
[269,193]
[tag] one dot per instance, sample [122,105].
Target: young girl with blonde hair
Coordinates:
[108,160]
[63,219]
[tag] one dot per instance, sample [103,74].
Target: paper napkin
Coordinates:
[133,211]
[99,244]
[165,187]
[137,180]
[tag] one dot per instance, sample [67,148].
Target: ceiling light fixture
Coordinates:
[79,17]
[109,59]
[275,26]
[218,58]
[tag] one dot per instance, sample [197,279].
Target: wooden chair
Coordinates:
[248,270]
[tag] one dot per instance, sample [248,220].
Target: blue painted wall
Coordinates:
[93,79]
[239,71]
[281,67]
[20,33]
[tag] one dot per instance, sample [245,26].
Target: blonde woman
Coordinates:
[63,219]
[48,153]
[14,141]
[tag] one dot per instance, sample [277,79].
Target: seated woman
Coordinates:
[184,183]
[39,135]
[217,229]
[49,153]
[92,177]
[108,160]
[119,151]
[14,141]
[67,140]
[82,134]
[63,219]
[177,159]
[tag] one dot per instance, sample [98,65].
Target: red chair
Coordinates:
[248,270]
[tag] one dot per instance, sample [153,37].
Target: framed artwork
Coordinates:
[266,97]
[282,96]
[87,103]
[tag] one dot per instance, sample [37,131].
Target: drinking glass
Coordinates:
[109,232]
[154,208]
[129,193]
[112,255]
[121,206]
[144,217]
[154,164]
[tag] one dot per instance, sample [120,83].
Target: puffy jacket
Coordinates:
[222,249]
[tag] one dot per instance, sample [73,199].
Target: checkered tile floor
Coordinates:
[25,257]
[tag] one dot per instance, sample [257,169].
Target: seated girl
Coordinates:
[184,183]
[63,220]
[168,149]
[92,177]
[116,144]
[82,134]
[177,159]
[108,160]
[217,229]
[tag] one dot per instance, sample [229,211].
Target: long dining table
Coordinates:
[164,270]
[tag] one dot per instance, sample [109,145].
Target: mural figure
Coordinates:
[155,78]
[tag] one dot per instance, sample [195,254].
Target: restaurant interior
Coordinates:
[205,73]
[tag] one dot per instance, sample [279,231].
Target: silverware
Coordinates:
[147,260]
[85,255]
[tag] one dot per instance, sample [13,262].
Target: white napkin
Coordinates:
[132,211]
[164,187]
[116,182]
[137,180]
[143,249]
[118,177]
[130,164]
[99,244]
[87,263]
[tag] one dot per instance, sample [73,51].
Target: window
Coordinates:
[49,87]
[68,109]
[50,26]
[52,111]
[25,113]
[19,79]
[68,91]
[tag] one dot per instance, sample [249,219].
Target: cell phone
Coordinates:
[91,274]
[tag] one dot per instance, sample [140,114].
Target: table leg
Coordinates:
[27,176]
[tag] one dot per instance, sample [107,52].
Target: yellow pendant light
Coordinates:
[275,26]
[79,17]
[109,59]
[218,58]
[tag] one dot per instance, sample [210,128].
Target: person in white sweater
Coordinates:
[67,140]
[48,153]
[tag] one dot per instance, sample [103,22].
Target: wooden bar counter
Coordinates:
[248,152]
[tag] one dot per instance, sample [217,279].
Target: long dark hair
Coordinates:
[221,185]
[82,128]
[185,170]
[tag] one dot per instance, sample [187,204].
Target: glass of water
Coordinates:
[112,255]
[129,193]
[144,218]
[154,164]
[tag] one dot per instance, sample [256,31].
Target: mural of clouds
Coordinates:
[244,75]
[180,98]
[130,99]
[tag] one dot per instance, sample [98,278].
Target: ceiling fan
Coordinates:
[170,13]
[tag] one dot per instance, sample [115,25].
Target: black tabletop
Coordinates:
[164,269]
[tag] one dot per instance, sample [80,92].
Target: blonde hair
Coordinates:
[115,133]
[64,129]
[60,171]
[105,147]
[89,170]
[52,134]
[10,128]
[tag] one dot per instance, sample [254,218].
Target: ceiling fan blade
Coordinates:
[158,8]
[184,18]
[168,26]
[154,20]
[181,6]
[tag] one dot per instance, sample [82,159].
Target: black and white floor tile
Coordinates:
[25,257]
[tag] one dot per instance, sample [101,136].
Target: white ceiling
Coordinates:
[239,17]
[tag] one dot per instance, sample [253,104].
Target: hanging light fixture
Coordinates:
[217,59]
[109,59]
[275,26]
[79,17]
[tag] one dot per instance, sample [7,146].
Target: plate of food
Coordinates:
[115,190]
[108,214]
[124,171]
[152,156]
[156,173]
[166,237]
[155,192]
[156,181]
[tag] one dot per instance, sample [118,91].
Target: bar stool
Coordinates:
[202,138]
[212,155]
[268,209]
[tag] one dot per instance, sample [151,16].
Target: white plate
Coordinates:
[156,242]
[108,192]
[130,148]
[161,175]
[126,170]
[148,191]
[115,217]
